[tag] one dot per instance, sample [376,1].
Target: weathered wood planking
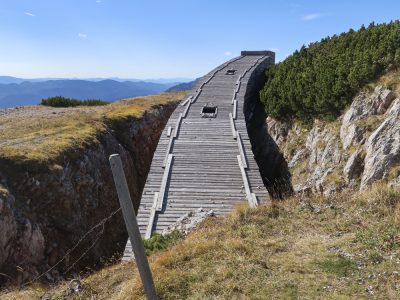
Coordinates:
[209,155]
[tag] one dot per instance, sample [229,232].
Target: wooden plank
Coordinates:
[241,150]
[245,182]
[170,143]
[237,87]
[232,126]
[254,198]
[186,109]
[234,109]
[164,182]
[150,223]
[178,125]
[186,100]
[196,96]
[233,97]
[169,131]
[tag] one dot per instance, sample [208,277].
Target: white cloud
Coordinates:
[98,1]
[228,53]
[311,17]
[274,49]
[82,35]
[29,14]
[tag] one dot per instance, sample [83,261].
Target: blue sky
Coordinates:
[164,38]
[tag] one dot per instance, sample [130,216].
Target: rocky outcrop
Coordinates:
[46,210]
[189,221]
[360,148]
[383,147]
[354,166]
[364,105]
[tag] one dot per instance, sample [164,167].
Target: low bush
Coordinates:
[59,101]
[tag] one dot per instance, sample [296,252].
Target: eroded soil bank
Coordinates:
[45,209]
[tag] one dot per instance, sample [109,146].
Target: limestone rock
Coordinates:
[189,221]
[364,105]
[298,157]
[324,147]
[354,166]
[395,183]
[321,161]
[278,130]
[383,147]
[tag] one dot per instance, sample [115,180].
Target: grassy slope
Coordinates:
[310,248]
[40,134]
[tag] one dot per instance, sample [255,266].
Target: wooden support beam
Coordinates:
[170,143]
[164,181]
[241,150]
[169,131]
[233,127]
[254,198]
[186,100]
[132,227]
[178,125]
[186,109]
[149,229]
[237,88]
[196,96]
[234,109]
[245,182]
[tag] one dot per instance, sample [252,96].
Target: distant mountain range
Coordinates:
[171,81]
[19,92]
[184,86]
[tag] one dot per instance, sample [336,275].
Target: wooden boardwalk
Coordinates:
[204,162]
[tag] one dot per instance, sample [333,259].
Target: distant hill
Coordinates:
[10,79]
[14,92]
[185,86]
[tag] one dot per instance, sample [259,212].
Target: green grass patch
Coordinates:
[160,242]
[340,266]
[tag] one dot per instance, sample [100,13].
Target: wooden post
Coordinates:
[132,226]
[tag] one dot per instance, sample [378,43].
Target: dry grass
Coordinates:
[41,133]
[314,248]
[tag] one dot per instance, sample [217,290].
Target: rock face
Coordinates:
[354,166]
[45,210]
[360,148]
[364,105]
[383,147]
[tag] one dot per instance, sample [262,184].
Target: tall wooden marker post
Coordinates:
[132,226]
